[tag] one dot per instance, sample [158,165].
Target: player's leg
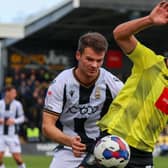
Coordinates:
[88,161]
[1,160]
[140,159]
[2,149]
[2,165]
[15,148]
[18,158]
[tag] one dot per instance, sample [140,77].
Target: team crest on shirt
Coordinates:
[97,93]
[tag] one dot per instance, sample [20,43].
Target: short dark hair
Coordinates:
[9,88]
[94,40]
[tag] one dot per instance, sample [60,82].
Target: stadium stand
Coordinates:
[58,29]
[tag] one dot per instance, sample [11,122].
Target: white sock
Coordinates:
[2,166]
[21,166]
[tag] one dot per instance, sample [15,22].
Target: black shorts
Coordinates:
[140,159]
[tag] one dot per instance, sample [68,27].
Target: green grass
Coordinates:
[34,161]
[161,162]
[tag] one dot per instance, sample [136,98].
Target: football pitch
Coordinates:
[34,161]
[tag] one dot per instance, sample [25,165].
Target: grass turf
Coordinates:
[34,161]
[161,162]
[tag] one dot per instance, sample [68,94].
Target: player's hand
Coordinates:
[159,14]
[10,121]
[78,148]
[1,121]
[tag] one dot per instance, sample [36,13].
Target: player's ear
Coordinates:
[78,55]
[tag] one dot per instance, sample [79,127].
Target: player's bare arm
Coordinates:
[1,121]
[50,130]
[10,121]
[124,33]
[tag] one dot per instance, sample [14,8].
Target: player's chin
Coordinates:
[92,73]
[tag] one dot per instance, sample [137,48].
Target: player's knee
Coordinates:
[18,159]
[1,155]
[1,161]
[19,162]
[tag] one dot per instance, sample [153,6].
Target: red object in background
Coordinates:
[114,59]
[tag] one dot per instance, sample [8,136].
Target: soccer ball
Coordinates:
[112,151]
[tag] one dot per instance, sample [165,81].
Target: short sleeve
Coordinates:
[54,96]
[114,83]
[143,57]
[20,109]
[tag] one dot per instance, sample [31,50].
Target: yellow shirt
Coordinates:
[138,113]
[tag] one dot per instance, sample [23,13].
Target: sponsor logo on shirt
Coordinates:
[83,109]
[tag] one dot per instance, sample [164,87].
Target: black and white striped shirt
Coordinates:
[13,110]
[79,107]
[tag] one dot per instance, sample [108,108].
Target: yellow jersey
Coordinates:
[140,111]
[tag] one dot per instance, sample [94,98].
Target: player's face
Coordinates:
[89,61]
[13,93]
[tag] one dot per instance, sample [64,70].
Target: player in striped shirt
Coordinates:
[11,115]
[77,98]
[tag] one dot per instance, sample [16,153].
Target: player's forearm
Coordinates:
[56,135]
[124,33]
[128,29]
[19,120]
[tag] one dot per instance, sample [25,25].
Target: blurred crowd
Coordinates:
[31,85]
